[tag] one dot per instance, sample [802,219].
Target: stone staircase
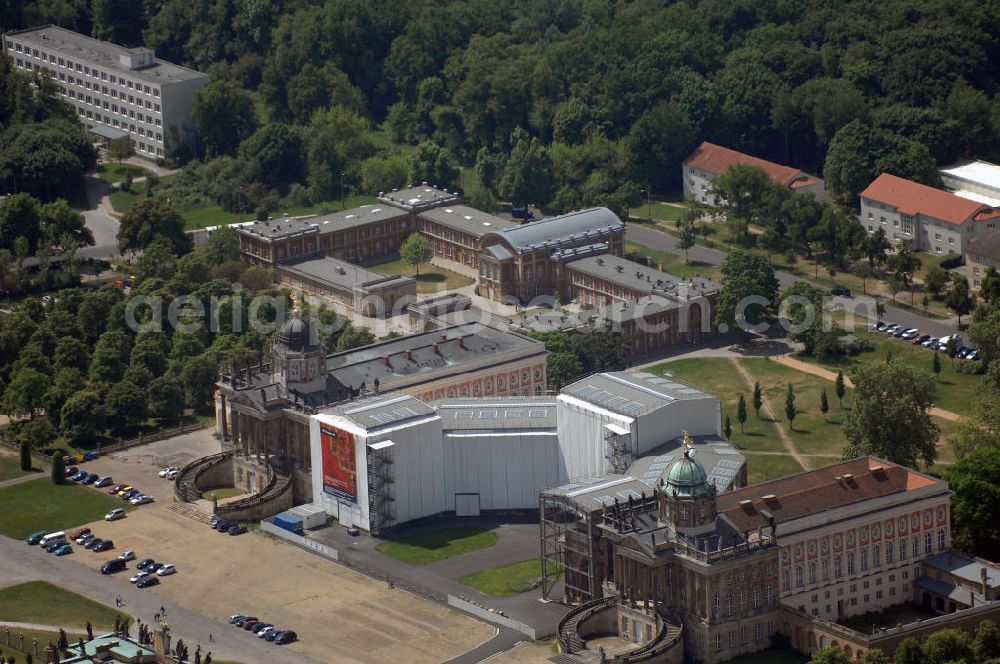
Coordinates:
[190,511]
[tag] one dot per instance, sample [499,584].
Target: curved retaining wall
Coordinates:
[186,485]
[274,498]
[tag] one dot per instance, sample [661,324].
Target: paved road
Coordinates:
[504,640]
[23,563]
[660,241]
[101,224]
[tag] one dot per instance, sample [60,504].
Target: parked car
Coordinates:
[83,539]
[91,543]
[153,568]
[930,341]
[64,549]
[237,530]
[79,476]
[71,471]
[53,545]
[35,537]
[272,633]
[90,456]
[77,534]
[172,475]
[910,334]
[233,618]
[166,469]
[286,636]
[127,556]
[103,481]
[139,574]
[105,545]
[841,291]
[223,525]
[248,624]
[130,494]
[973,355]
[141,499]
[167,570]
[889,329]
[239,622]
[112,566]
[260,627]
[878,326]
[261,633]
[115,514]
[921,339]
[144,563]
[522,213]
[125,489]
[902,333]
[147,581]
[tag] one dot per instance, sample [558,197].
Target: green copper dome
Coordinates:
[686,477]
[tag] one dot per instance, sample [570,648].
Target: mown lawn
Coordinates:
[43,603]
[506,580]
[955,391]
[222,492]
[42,505]
[112,172]
[10,466]
[432,279]
[673,263]
[438,545]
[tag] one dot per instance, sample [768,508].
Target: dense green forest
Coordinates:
[595,99]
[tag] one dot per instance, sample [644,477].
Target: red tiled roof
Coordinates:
[914,198]
[716,159]
[817,490]
[803,182]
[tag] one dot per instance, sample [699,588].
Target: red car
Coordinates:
[116,488]
[72,470]
[80,532]
[250,623]
[921,339]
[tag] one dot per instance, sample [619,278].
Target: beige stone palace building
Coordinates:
[693,573]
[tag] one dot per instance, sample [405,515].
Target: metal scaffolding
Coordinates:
[381,492]
[569,542]
[618,446]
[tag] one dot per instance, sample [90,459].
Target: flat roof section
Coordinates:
[101,53]
[528,413]
[381,410]
[285,227]
[466,219]
[340,273]
[419,197]
[982,173]
[632,393]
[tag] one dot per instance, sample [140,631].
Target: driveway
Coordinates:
[661,241]
[100,222]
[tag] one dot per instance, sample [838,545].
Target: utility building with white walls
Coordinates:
[389,459]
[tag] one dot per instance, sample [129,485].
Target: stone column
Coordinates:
[225,427]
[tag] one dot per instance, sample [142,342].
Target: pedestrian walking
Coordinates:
[156,617]
[210,639]
[163,612]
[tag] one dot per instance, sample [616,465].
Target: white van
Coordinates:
[53,537]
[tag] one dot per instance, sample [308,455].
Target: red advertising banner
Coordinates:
[340,476]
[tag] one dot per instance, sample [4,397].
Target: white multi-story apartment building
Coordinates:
[116,91]
[926,218]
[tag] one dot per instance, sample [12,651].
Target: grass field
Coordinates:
[506,580]
[658,210]
[10,466]
[29,634]
[46,604]
[438,545]
[112,172]
[42,505]
[955,391]
[222,492]
[431,279]
[771,657]
[673,263]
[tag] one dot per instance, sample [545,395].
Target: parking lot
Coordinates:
[334,610]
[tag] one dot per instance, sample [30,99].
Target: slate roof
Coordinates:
[466,219]
[576,228]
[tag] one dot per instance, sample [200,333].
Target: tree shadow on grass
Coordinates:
[431,278]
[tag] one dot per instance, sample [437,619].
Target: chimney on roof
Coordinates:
[444,337]
[385,360]
[984,580]
[461,342]
[409,354]
[660,266]
[434,347]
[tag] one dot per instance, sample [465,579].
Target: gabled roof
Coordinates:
[914,198]
[814,491]
[716,159]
